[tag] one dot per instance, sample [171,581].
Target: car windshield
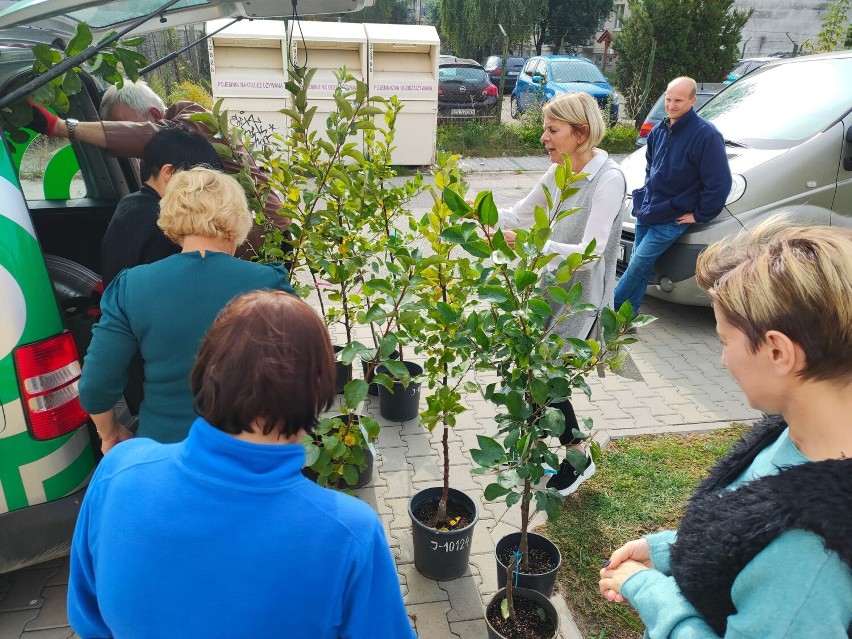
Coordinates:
[461,74]
[778,107]
[515,62]
[575,71]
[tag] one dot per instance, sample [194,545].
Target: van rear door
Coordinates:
[106,16]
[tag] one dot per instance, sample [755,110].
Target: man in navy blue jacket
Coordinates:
[687,180]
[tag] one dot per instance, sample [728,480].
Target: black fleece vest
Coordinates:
[724,530]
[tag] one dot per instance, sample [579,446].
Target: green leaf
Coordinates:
[82,38]
[494,294]
[495,491]
[350,474]
[539,391]
[516,405]
[223,150]
[504,608]
[478,248]
[559,295]
[456,202]
[541,614]
[355,392]
[207,120]
[44,54]
[525,279]
[397,369]
[512,499]
[486,210]
[609,323]
[541,219]
[133,42]
[488,453]
[71,82]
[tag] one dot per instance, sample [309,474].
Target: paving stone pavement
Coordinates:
[683,388]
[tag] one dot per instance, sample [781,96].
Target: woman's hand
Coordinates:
[509,236]
[120,434]
[636,552]
[612,579]
[110,430]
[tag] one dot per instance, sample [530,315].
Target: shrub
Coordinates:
[192,92]
[620,139]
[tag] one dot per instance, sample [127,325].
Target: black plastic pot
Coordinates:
[373,389]
[344,372]
[404,402]
[522,593]
[544,582]
[441,555]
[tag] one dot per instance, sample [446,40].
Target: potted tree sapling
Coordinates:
[443,518]
[535,367]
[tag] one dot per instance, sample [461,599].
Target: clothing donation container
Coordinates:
[327,47]
[247,62]
[403,61]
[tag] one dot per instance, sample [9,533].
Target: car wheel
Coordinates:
[513,108]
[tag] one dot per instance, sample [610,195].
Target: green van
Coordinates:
[51,227]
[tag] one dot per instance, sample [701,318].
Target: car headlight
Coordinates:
[738,187]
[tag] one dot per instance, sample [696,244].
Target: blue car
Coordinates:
[546,76]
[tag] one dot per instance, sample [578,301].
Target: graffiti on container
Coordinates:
[260,132]
[452,546]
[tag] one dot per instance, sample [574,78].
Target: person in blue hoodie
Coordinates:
[687,180]
[221,536]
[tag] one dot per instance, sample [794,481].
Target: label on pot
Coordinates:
[452,546]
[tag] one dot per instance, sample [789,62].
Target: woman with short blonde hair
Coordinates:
[573,127]
[162,310]
[206,203]
[765,546]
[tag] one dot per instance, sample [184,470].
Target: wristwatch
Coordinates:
[71,123]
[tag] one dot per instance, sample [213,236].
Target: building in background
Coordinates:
[775,27]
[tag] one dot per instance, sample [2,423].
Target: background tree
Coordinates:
[698,38]
[569,24]
[469,27]
[382,12]
[836,30]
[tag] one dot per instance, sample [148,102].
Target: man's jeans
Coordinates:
[651,241]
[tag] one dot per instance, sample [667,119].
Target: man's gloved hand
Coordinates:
[43,120]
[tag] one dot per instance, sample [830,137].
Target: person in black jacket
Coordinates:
[132,237]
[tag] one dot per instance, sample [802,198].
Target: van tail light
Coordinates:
[490,90]
[48,374]
[440,91]
[646,129]
[497,71]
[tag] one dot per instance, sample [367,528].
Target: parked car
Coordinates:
[50,239]
[706,90]
[746,66]
[465,92]
[546,76]
[796,160]
[494,67]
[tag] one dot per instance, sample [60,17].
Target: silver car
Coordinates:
[788,132]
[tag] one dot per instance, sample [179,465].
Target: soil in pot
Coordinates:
[458,515]
[540,560]
[528,620]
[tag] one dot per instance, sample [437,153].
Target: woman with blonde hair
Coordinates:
[573,127]
[165,308]
[765,546]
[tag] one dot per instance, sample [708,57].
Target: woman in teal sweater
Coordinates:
[765,546]
[165,308]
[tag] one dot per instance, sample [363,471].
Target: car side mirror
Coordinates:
[537,79]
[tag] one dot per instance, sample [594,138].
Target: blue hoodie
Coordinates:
[687,172]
